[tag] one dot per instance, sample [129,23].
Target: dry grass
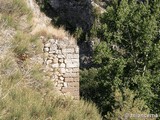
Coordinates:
[26,96]
[43,27]
[25,93]
[26,45]
[52,32]
[26,104]
[12,10]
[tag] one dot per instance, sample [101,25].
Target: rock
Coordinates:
[72,65]
[55,65]
[46,49]
[65,84]
[59,52]
[61,78]
[49,62]
[76,13]
[53,47]
[55,60]
[62,70]
[52,41]
[62,65]
[69,50]
[75,70]
[60,60]
[60,56]
[77,50]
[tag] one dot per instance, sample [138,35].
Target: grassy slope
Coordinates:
[24,92]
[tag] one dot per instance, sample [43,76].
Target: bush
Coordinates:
[127,56]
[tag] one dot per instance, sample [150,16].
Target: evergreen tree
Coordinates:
[128,54]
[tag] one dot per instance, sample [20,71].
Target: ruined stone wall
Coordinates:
[61,58]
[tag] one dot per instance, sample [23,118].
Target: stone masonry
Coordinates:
[61,58]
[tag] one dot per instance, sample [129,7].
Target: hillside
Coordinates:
[25,92]
[55,52]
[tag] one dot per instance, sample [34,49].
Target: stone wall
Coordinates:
[62,65]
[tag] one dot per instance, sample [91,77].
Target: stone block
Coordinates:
[61,56]
[60,82]
[71,75]
[65,84]
[53,52]
[62,70]
[68,79]
[73,84]
[50,58]
[61,78]
[49,62]
[69,70]
[62,65]
[70,50]
[55,60]
[52,41]
[75,60]
[75,70]
[55,65]
[46,49]
[77,50]
[72,65]
[67,89]
[76,79]
[76,56]
[60,60]
[59,52]
[64,51]
[69,56]
[67,61]
[53,47]
[75,93]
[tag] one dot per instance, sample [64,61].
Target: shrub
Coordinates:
[128,54]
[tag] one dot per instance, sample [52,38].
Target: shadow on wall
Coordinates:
[71,14]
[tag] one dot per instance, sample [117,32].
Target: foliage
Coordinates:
[43,3]
[125,105]
[128,55]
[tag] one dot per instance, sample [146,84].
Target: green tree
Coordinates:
[129,53]
[126,107]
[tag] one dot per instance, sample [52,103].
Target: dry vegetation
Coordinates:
[25,94]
